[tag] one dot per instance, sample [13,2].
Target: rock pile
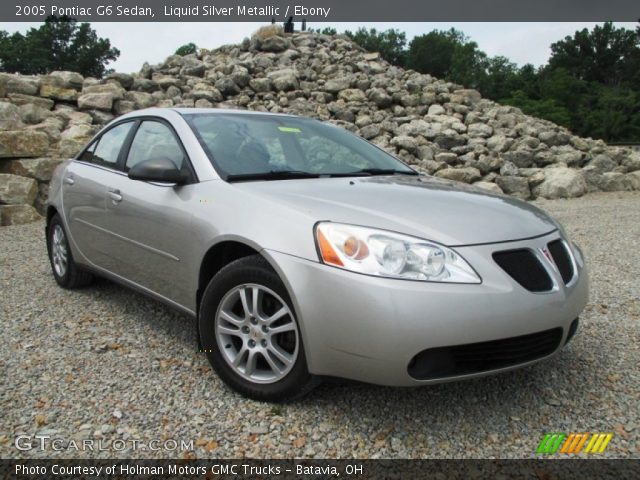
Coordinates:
[440,128]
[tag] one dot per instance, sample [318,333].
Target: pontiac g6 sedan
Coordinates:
[305,251]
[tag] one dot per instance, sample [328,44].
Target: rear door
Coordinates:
[152,221]
[84,194]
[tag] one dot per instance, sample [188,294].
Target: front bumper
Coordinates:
[370,328]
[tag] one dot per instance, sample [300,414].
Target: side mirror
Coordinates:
[160,170]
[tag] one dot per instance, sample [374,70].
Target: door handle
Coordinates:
[69,180]
[114,195]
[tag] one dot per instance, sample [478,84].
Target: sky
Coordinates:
[152,42]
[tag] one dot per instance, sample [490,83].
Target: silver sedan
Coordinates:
[305,252]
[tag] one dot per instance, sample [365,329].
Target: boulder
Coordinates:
[632,162]
[335,85]
[284,80]
[449,139]
[436,110]
[352,95]
[124,79]
[16,190]
[561,182]
[274,44]
[380,97]
[633,179]
[140,99]
[18,214]
[616,182]
[207,92]
[10,117]
[98,101]
[404,142]
[489,186]
[260,84]
[227,86]
[59,88]
[74,138]
[370,131]
[22,99]
[515,186]
[66,79]
[23,143]
[520,158]
[447,157]
[480,130]
[33,114]
[602,164]
[465,174]
[40,169]
[12,83]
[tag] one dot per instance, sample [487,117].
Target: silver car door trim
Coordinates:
[139,244]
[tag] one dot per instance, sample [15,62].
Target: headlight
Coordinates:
[388,254]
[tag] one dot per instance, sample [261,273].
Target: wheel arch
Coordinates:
[226,250]
[51,211]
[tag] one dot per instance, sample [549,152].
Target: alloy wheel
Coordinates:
[257,333]
[59,252]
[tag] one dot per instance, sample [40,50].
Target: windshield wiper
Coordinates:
[382,171]
[271,175]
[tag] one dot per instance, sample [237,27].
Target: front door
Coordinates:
[151,222]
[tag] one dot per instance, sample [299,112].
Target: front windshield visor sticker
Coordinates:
[289,129]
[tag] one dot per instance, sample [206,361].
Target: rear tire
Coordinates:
[250,335]
[65,270]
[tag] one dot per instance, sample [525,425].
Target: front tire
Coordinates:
[64,268]
[250,335]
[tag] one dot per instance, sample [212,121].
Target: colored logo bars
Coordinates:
[593,443]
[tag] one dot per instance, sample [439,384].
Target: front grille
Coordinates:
[525,268]
[443,362]
[561,257]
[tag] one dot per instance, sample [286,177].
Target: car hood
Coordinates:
[442,211]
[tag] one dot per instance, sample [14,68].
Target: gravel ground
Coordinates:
[106,363]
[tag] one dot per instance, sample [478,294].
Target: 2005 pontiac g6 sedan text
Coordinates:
[305,251]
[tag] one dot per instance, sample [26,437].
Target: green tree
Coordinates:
[390,43]
[187,49]
[606,55]
[449,55]
[58,44]
[325,31]
[548,108]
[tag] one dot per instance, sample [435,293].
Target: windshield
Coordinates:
[272,146]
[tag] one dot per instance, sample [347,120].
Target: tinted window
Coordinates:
[252,144]
[154,140]
[109,145]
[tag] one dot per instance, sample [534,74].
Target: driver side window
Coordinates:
[154,140]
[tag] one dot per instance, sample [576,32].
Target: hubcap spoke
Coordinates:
[251,362]
[280,354]
[287,327]
[229,331]
[245,302]
[238,360]
[274,366]
[231,318]
[256,298]
[278,315]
